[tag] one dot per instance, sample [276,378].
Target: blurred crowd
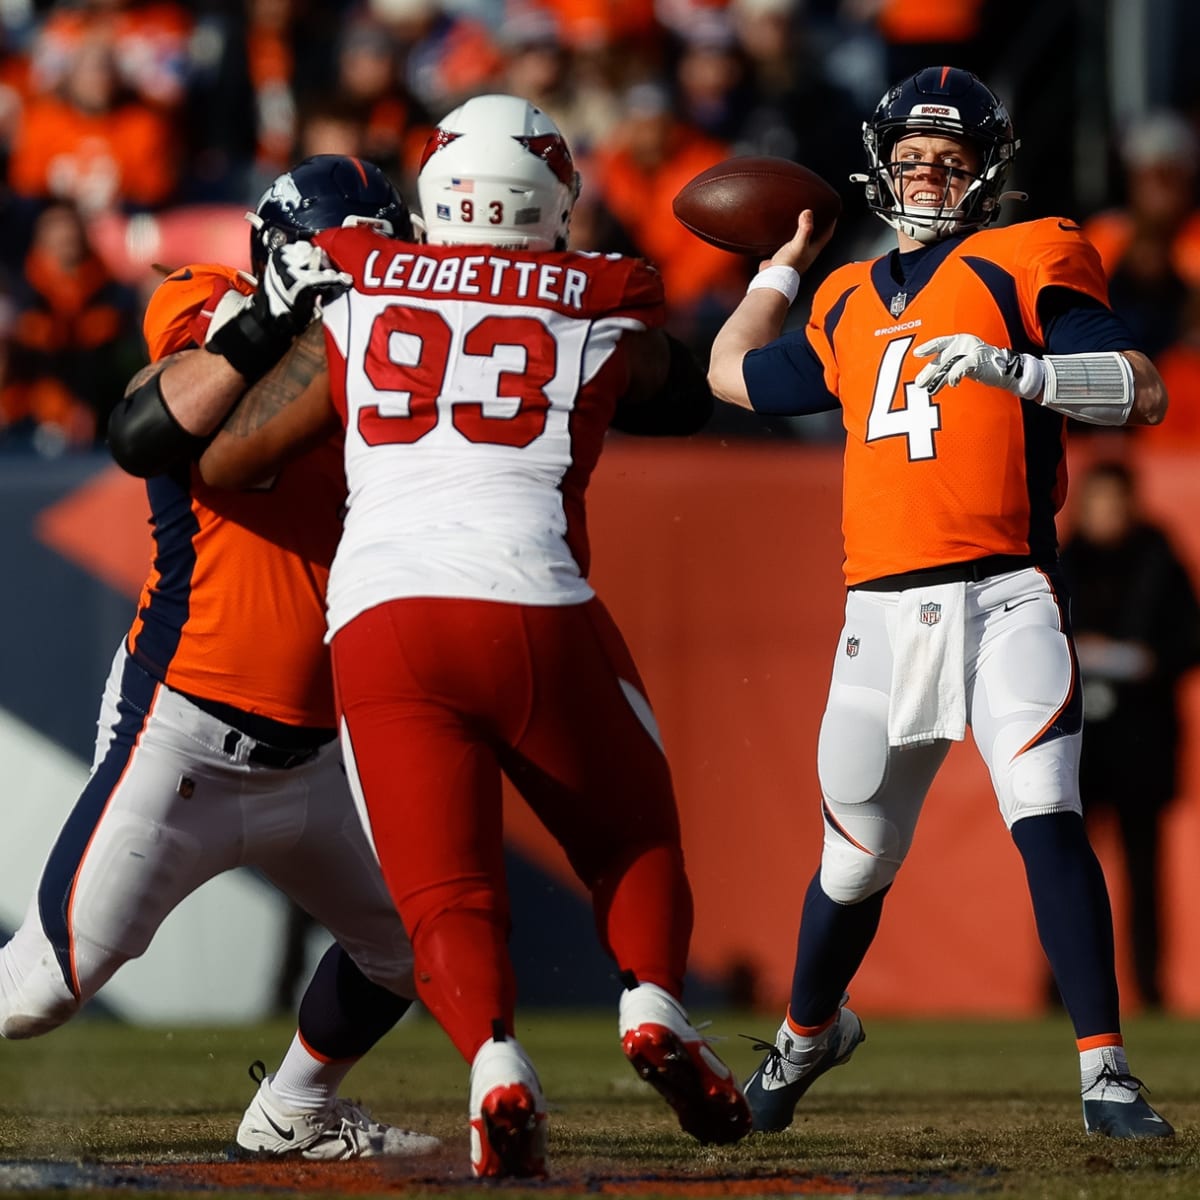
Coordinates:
[134,134]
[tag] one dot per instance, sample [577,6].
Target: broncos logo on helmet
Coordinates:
[326,191]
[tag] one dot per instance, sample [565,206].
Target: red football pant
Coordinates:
[437,697]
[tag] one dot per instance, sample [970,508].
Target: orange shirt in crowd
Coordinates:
[98,160]
[1111,232]
[908,22]
[641,201]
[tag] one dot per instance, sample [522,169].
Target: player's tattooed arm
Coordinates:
[283,385]
[285,413]
[149,371]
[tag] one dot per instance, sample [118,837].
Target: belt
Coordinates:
[973,571]
[263,755]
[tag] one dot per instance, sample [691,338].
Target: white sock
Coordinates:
[305,1083]
[1094,1068]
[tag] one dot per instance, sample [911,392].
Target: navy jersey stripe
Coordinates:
[174,527]
[1043,429]
[58,877]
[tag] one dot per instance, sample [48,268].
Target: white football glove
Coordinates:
[964,356]
[297,275]
[252,337]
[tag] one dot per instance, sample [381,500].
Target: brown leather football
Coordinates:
[749,204]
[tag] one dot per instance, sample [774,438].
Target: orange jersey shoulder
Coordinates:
[180,308]
[233,609]
[973,471]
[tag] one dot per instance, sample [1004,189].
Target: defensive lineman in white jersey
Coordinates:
[475,378]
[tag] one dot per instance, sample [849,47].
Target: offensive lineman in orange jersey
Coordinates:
[217,745]
[955,612]
[476,377]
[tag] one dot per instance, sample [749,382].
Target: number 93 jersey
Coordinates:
[974,471]
[476,385]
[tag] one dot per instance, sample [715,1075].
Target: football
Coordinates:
[749,204]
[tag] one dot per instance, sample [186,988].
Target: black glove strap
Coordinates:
[250,345]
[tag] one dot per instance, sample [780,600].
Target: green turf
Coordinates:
[956,1108]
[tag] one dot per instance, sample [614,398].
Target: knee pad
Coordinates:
[849,874]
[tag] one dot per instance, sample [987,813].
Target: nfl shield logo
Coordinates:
[931,614]
[851,647]
[899,301]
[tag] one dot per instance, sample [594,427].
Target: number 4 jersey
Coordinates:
[476,385]
[974,471]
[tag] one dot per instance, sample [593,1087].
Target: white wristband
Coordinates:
[785,280]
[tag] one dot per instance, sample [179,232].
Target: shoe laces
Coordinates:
[351,1114]
[772,1067]
[1107,1076]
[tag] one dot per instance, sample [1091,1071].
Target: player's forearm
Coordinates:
[199,389]
[285,413]
[757,320]
[169,410]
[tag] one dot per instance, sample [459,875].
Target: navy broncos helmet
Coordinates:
[952,102]
[325,191]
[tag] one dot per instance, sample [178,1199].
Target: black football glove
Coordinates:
[297,275]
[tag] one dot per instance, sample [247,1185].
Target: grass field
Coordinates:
[925,1108]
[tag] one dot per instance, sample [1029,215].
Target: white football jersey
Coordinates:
[476,386]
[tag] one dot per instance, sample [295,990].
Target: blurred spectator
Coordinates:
[1150,248]
[1179,366]
[638,173]
[73,339]
[446,57]
[574,87]
[921,33]
[792,107]
[149,41]
[1137,631]
[367,83]
[91,143]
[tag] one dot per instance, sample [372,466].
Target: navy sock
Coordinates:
[833,941]
[343,1014]
[1074,918]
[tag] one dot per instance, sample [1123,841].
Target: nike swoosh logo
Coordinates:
[182,276]
[1009,605]
[287,1134]
[1068,227]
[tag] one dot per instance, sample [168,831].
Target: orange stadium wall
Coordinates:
[721,562]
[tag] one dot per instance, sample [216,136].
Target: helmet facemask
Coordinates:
[964,110]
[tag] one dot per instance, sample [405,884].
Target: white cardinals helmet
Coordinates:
[497,172]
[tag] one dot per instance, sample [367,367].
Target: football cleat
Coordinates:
[789,1069]
[1114,1106]
[341,1131]
[680,1065]
[508,1113]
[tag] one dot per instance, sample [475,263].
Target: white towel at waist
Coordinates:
[928,699]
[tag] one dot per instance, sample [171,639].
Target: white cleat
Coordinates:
[508,1113]
[342,1131]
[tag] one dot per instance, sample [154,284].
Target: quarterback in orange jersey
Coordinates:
[956,360]
[217,745]
[475,377]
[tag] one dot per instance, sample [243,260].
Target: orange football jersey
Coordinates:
[233,609]
[973,471]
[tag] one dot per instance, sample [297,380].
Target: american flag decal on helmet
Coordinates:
[931,613]
[852,647]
